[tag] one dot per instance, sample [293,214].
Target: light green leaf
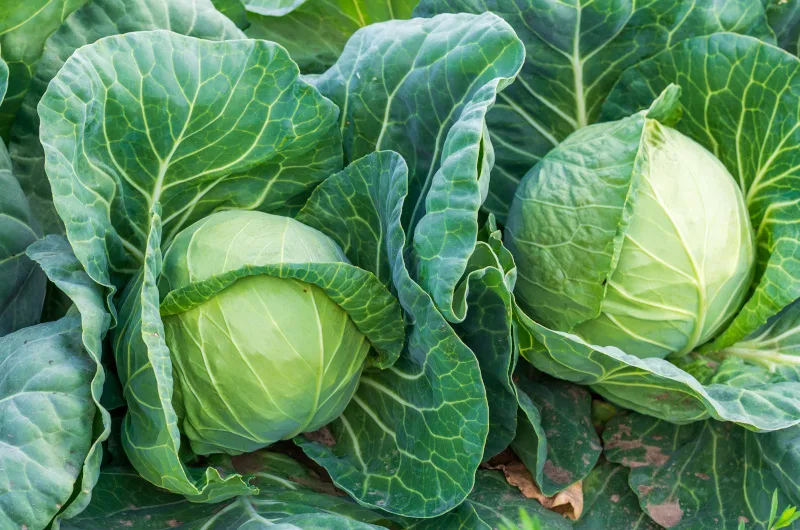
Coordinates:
[189,124]
[704,475]
[93,21]
[758,143]
[24,27]
[576,51]
[428,413]
[150,430]
[22,288]
[315,31]
[655,386]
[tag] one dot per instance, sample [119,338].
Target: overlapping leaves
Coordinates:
[93,21]
[575,53]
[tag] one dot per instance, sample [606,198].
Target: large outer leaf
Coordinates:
[655,386]
[22,283]
[704,475]
[426,416]
[575,53]
[749,120]
[46,411]
[24,27]
[189,124]
[55,257]
[93,21]
[315,31]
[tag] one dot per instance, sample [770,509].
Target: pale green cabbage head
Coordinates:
[655,223]
[265,358]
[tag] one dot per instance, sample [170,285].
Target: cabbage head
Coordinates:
[632,235]
[264,358]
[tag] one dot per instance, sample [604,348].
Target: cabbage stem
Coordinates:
[771,359]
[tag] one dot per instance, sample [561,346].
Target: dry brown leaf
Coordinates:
[568,503]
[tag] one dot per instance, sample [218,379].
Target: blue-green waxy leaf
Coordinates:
[316,31]
[190,124]
[703,475]
[750,122]
[24,27]
[46,412]
[93,21]
[610,503]
[575,53]
[292,498]
[425,416]
[22,283]
[54,255]
[555,437]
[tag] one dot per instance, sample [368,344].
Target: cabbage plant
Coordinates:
[248,228]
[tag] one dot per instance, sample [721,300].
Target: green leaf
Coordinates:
[124,500]
[234,10]
[315,31]
[55,257]
[555,437]
[703,475]
[427,414]
[608,501]
[190,124]
[93,21]
[655,386]
[784,18]
[758,142]
[463,517]
[23,284]
[46,418]
[576,51]
[24,27]
[150,431]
